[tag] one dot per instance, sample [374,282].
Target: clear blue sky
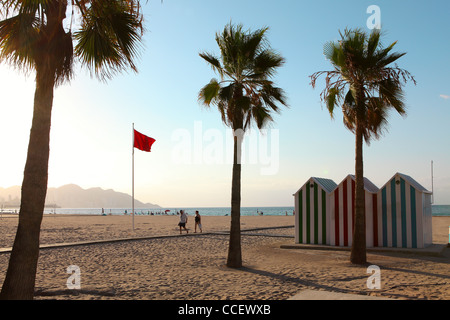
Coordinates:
[92,121]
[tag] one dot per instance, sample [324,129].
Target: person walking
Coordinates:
[198,222]
[183,221]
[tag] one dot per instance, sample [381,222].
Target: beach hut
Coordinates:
[398,215]
[342,215]
[404,214]
[312,211]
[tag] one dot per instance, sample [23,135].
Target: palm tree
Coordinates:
[36,36]
[366,87]
[244,96]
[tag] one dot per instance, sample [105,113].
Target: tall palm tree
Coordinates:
[244,96]
[366,87]
[36,36]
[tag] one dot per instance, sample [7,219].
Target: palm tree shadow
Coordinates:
[303,282]
[442,257]
[418,272]
[67,292]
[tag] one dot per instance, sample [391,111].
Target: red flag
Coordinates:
[143,142]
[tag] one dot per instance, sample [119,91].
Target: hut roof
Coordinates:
[329,185]
[410,180]
[326,184]
[368,185]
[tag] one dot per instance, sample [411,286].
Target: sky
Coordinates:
[190,163]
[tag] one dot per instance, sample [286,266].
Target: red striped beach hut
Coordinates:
[404,214]
[342,215]
[312,211]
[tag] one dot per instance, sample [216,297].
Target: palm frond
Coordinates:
[214,63]
[260,116]
[246,96]
[10,7]
[391,94]
[388,59]
[253,43]
[19,40]
[266,64]
[373,42]
[209,93]
[109,39]
[63,57]
[272,96]
[331,100]
[376,119]
[361,68]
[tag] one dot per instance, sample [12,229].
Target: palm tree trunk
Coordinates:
[234,250]
[358,252]
[21,274]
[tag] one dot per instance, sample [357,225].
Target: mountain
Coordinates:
[10,197]
[73,196]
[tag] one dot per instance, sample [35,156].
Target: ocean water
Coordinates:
[438,210]
[245,211]
[441,210]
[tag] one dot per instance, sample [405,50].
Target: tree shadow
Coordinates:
[310,284]
[419,272]
[440,257]
[67,292]
[303,282]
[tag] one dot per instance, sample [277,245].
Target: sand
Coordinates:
[192,267]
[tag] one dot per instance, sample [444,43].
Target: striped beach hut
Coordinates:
[312,211]
[342,215]
[398,215]
[404,214]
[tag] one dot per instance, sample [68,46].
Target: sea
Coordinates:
[213,211]
[437,210]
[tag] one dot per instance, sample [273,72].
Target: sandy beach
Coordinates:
[192,267]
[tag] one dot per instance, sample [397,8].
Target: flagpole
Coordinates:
[132,179]
[432,182]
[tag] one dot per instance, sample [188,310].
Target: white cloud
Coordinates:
[443,96]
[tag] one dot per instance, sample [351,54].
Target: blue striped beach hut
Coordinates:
[404,214]
[312,211]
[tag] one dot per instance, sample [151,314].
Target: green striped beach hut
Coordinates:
[312,211]
[404,214]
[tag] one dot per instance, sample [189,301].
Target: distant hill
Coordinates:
[73,196]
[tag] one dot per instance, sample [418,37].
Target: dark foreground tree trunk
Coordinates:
[358,252]
[21,274]
[234,250]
